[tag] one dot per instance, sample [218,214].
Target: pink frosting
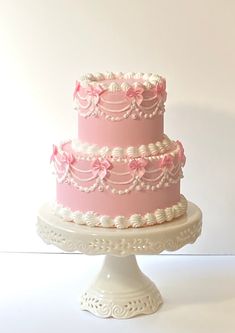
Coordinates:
[120,172]
[103,201]
[122,133]
[118,118]
[106,203]
[134,130]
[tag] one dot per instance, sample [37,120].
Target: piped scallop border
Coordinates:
[149,80]
[159,147]
[93,219]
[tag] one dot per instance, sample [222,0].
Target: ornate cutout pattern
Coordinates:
[148,303]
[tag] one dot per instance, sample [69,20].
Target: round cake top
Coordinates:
[123,81]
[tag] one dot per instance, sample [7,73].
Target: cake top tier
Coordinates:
[120,109]
[119,96]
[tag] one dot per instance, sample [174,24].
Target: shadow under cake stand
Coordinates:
[120,290]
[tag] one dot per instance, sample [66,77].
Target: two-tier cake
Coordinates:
[122,171]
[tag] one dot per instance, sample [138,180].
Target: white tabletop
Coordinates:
[40,293]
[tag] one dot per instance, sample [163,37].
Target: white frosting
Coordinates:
[92,219]
[114,86]
[160,147]
[150,80]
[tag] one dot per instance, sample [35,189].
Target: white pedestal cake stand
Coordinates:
[120,290]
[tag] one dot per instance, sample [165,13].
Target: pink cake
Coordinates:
[122,171]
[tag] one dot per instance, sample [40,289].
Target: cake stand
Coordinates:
[120,290]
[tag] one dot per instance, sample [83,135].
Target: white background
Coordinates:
[46,45]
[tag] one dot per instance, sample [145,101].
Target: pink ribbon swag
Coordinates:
[54,153]
[100,168]
[161,87]
[64,158]
[181,155]
[135,94]
[167,162]
[62,162]
[77,88]
[137,167]
[94,93]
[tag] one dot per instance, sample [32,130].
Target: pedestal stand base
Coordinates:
[121,290]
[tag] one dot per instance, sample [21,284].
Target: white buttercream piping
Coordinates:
[82,179]
[160,147]
[120,182]
[164,176]
[114,111]
[131,109]
[93,219]
[108,101]
[149,80]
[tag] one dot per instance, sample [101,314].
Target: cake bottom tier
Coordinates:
[110,211]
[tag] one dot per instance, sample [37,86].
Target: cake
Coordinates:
[122,171]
